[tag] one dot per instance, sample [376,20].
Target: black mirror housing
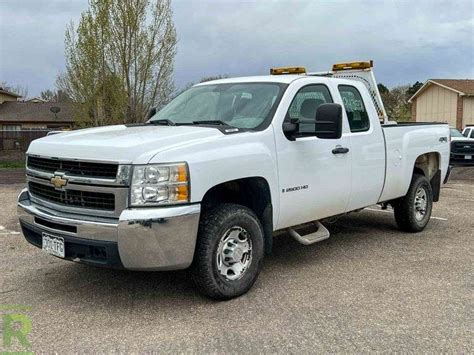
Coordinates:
[329,121]
[291,126]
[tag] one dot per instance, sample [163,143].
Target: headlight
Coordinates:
[157,184]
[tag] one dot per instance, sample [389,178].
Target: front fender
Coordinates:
[237,156]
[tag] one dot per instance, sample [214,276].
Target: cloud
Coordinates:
[32,40]
[408,40]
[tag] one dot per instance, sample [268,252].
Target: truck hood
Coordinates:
[122,144]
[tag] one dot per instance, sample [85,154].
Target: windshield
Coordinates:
[456,133]
[241,105]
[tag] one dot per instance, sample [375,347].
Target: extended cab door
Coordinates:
[315,182]
[367,146]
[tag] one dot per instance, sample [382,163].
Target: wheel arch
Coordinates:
[428,165]
[253,192]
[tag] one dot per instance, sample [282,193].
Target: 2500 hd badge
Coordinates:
[296,188]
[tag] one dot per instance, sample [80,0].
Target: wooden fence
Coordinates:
[19,140]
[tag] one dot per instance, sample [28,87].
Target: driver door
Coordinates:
[315,179]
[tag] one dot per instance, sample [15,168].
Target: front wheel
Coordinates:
[229,251]
[413,211]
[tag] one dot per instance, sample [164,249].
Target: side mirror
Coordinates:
[151,113]
[329,121]
[290,127]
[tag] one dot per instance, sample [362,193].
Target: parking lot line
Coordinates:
[3,230]
[391,211]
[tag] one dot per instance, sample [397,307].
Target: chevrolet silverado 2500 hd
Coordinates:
[206,181]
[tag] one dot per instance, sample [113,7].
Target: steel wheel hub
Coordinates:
[234,253]
[421,203]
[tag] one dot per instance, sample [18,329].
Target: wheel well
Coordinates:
[252,192]
[428,165]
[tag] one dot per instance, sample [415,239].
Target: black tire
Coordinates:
[213,226]
[406,211]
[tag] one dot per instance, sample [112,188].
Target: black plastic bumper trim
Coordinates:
[85,251]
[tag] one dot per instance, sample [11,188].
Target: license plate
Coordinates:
[468,157]
[53,245]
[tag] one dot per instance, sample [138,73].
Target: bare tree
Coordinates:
[48,95]
[54,96]
[396,103]
[119,59]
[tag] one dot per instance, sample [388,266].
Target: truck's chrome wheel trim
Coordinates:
[420,203]
[234,253]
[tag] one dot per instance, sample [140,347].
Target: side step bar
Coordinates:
[320,234]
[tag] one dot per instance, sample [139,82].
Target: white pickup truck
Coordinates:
[206,181]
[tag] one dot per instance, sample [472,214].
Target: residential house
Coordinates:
[6,95]
[24,115]
[23,121]
[444,100]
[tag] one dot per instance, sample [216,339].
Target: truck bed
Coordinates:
[404,143]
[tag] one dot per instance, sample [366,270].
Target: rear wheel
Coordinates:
[413,211]
[229,251]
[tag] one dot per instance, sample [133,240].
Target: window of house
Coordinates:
[305,104]
[11,131]
[9,127]
[355,109]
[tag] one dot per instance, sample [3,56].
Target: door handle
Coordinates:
[340,150]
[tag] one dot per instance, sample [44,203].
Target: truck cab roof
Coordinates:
[283,79]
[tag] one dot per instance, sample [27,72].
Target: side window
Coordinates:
[355,109]
[472,133]
[466,132]
[306,102]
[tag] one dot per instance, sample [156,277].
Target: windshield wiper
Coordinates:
[212,122]
[164,122]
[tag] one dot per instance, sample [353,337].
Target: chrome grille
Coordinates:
[73,198]
[73,168]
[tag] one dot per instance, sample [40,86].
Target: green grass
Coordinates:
[12,164]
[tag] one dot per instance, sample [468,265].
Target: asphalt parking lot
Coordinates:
[367,288]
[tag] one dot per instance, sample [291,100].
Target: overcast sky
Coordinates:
[408,40]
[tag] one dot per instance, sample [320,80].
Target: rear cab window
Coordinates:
[355,109]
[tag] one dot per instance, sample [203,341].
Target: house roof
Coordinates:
[17,111]
[36,99]
[460,86]
[9,93]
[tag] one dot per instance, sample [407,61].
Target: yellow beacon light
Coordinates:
[287,70]
[352,66]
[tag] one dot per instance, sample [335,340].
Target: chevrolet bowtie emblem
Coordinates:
[58,181]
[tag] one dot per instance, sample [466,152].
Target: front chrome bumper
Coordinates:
[161,238]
